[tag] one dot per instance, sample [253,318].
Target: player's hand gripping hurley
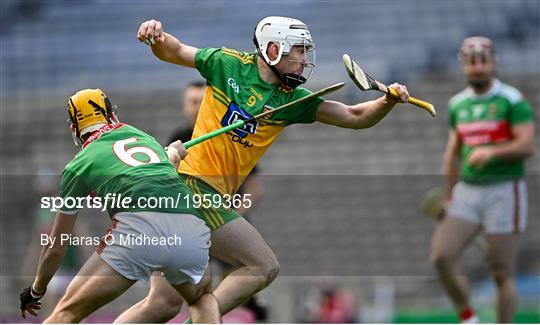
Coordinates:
[366,82]
[240,123]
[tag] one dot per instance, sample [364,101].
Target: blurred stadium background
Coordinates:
[340,207]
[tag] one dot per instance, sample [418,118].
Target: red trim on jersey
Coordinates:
[516,207]
[102,130]
[103,241]
[484,132]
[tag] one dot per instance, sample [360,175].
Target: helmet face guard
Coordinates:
[287,33]
[306,61]
[87,110]
[476,48]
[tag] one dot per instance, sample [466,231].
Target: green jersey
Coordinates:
[124,169]
[486,120]
[236,91]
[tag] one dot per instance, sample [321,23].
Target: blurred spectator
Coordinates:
[325,302]
[338,306]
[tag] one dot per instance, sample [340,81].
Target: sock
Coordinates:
[466,314]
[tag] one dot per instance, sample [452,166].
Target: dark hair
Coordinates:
[196,84]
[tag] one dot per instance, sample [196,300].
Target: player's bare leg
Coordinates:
[502,256]
[162,304]
[451,237]
[95,285]
[203,306]
[240,244]
[237,243]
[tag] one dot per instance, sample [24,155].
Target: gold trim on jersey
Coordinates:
[211,214]
[220,96]
[244,58]
[220,93]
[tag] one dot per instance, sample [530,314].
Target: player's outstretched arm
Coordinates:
[51,257]
[362,115]
[165,46]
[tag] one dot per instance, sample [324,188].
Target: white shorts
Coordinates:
[501,208]
[140,243]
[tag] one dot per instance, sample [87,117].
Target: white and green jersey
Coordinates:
[487,119]
[119,161]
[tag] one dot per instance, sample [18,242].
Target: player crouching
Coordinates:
[120,159]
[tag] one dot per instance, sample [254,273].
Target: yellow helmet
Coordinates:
[88,109]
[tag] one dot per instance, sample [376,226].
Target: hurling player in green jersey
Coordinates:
[491,133]
[239,85]
[118,160]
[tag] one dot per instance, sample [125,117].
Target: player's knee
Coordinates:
[442,262]
[270,270]
[163,305]
[501,279]
[501,272]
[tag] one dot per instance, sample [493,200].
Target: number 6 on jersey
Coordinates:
[127,156]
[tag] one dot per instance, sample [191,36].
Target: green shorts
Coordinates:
[214,216]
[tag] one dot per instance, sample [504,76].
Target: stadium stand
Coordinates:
[348,200]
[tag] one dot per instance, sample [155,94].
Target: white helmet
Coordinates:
[287,32]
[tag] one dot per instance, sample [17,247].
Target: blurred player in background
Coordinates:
[491,133]
[119,159]
[241,85]
[192,99]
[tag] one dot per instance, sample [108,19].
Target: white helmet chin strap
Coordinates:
[76,140]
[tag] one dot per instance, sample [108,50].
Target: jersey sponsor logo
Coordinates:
[484,132]
[236,113]
[477,110]
[463,114]
[232,83]
[236,138]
